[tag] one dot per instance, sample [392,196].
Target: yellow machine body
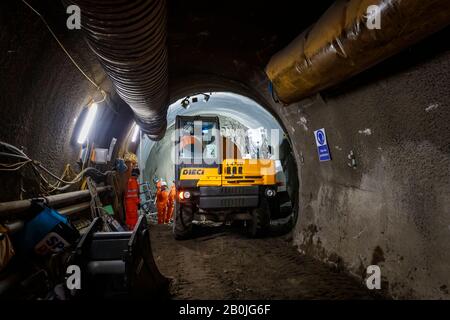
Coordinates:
[234,173]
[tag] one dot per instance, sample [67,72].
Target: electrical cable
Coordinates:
[13,166]
[38,168]
[67,52]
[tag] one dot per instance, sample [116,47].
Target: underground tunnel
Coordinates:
[174,150]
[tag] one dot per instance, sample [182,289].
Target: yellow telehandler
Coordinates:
[213,181]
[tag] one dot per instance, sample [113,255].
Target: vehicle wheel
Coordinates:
[182,223]
[260,224]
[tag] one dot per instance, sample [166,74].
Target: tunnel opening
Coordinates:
[248,131]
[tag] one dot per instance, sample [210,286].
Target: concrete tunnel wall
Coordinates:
[393,210]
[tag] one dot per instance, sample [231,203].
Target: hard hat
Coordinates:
[163,184]
[130,157]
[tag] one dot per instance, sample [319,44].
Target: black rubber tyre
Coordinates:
[182,223]
[259,226]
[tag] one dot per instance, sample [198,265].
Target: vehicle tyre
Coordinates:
[182,223]
[260,224]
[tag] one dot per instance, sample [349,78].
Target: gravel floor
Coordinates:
[221,263]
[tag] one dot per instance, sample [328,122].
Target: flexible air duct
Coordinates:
[129,39]
[342,44]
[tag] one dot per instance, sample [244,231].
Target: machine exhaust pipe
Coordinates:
[342,43]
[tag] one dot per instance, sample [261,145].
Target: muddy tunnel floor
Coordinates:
[221,263]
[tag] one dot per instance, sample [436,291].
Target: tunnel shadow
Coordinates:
[205,231]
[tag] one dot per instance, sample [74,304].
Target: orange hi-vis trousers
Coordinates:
[170,203]
[161,204]
[131,203]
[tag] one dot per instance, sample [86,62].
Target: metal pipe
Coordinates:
[17,225]
[344,43]
[76,208]
[13,207]
[129,39]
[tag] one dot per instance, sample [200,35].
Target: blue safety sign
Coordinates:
[322,145]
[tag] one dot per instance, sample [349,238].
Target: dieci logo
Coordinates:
[193,172]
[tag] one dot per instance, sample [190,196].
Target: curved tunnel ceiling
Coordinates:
[226,104]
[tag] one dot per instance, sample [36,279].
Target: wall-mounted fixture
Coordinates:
[87,124]
[135,133]
[111,148]
[185,103]
[352,160]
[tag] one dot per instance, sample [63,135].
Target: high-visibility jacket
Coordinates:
[132,202]
[171,203]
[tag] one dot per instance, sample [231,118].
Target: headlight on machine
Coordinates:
[270,193]
[184,195]
[187,194]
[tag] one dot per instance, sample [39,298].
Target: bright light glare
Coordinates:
[135,133]
[84,132]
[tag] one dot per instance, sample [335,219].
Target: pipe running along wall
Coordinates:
[129,39]
[342,43]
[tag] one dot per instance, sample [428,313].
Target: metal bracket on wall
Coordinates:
[352,160]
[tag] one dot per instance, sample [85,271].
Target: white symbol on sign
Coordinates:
[320,137]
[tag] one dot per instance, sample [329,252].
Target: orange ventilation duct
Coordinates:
[344,43]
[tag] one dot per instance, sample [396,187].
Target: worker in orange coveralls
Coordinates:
[132,200]
[170,203]
[162,195]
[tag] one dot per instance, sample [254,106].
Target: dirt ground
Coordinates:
[221,263]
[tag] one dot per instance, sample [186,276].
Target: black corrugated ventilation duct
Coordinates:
[129,39]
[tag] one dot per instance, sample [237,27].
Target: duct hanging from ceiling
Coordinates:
[129,39]
[345,41]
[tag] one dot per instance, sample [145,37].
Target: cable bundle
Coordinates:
[21,160]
